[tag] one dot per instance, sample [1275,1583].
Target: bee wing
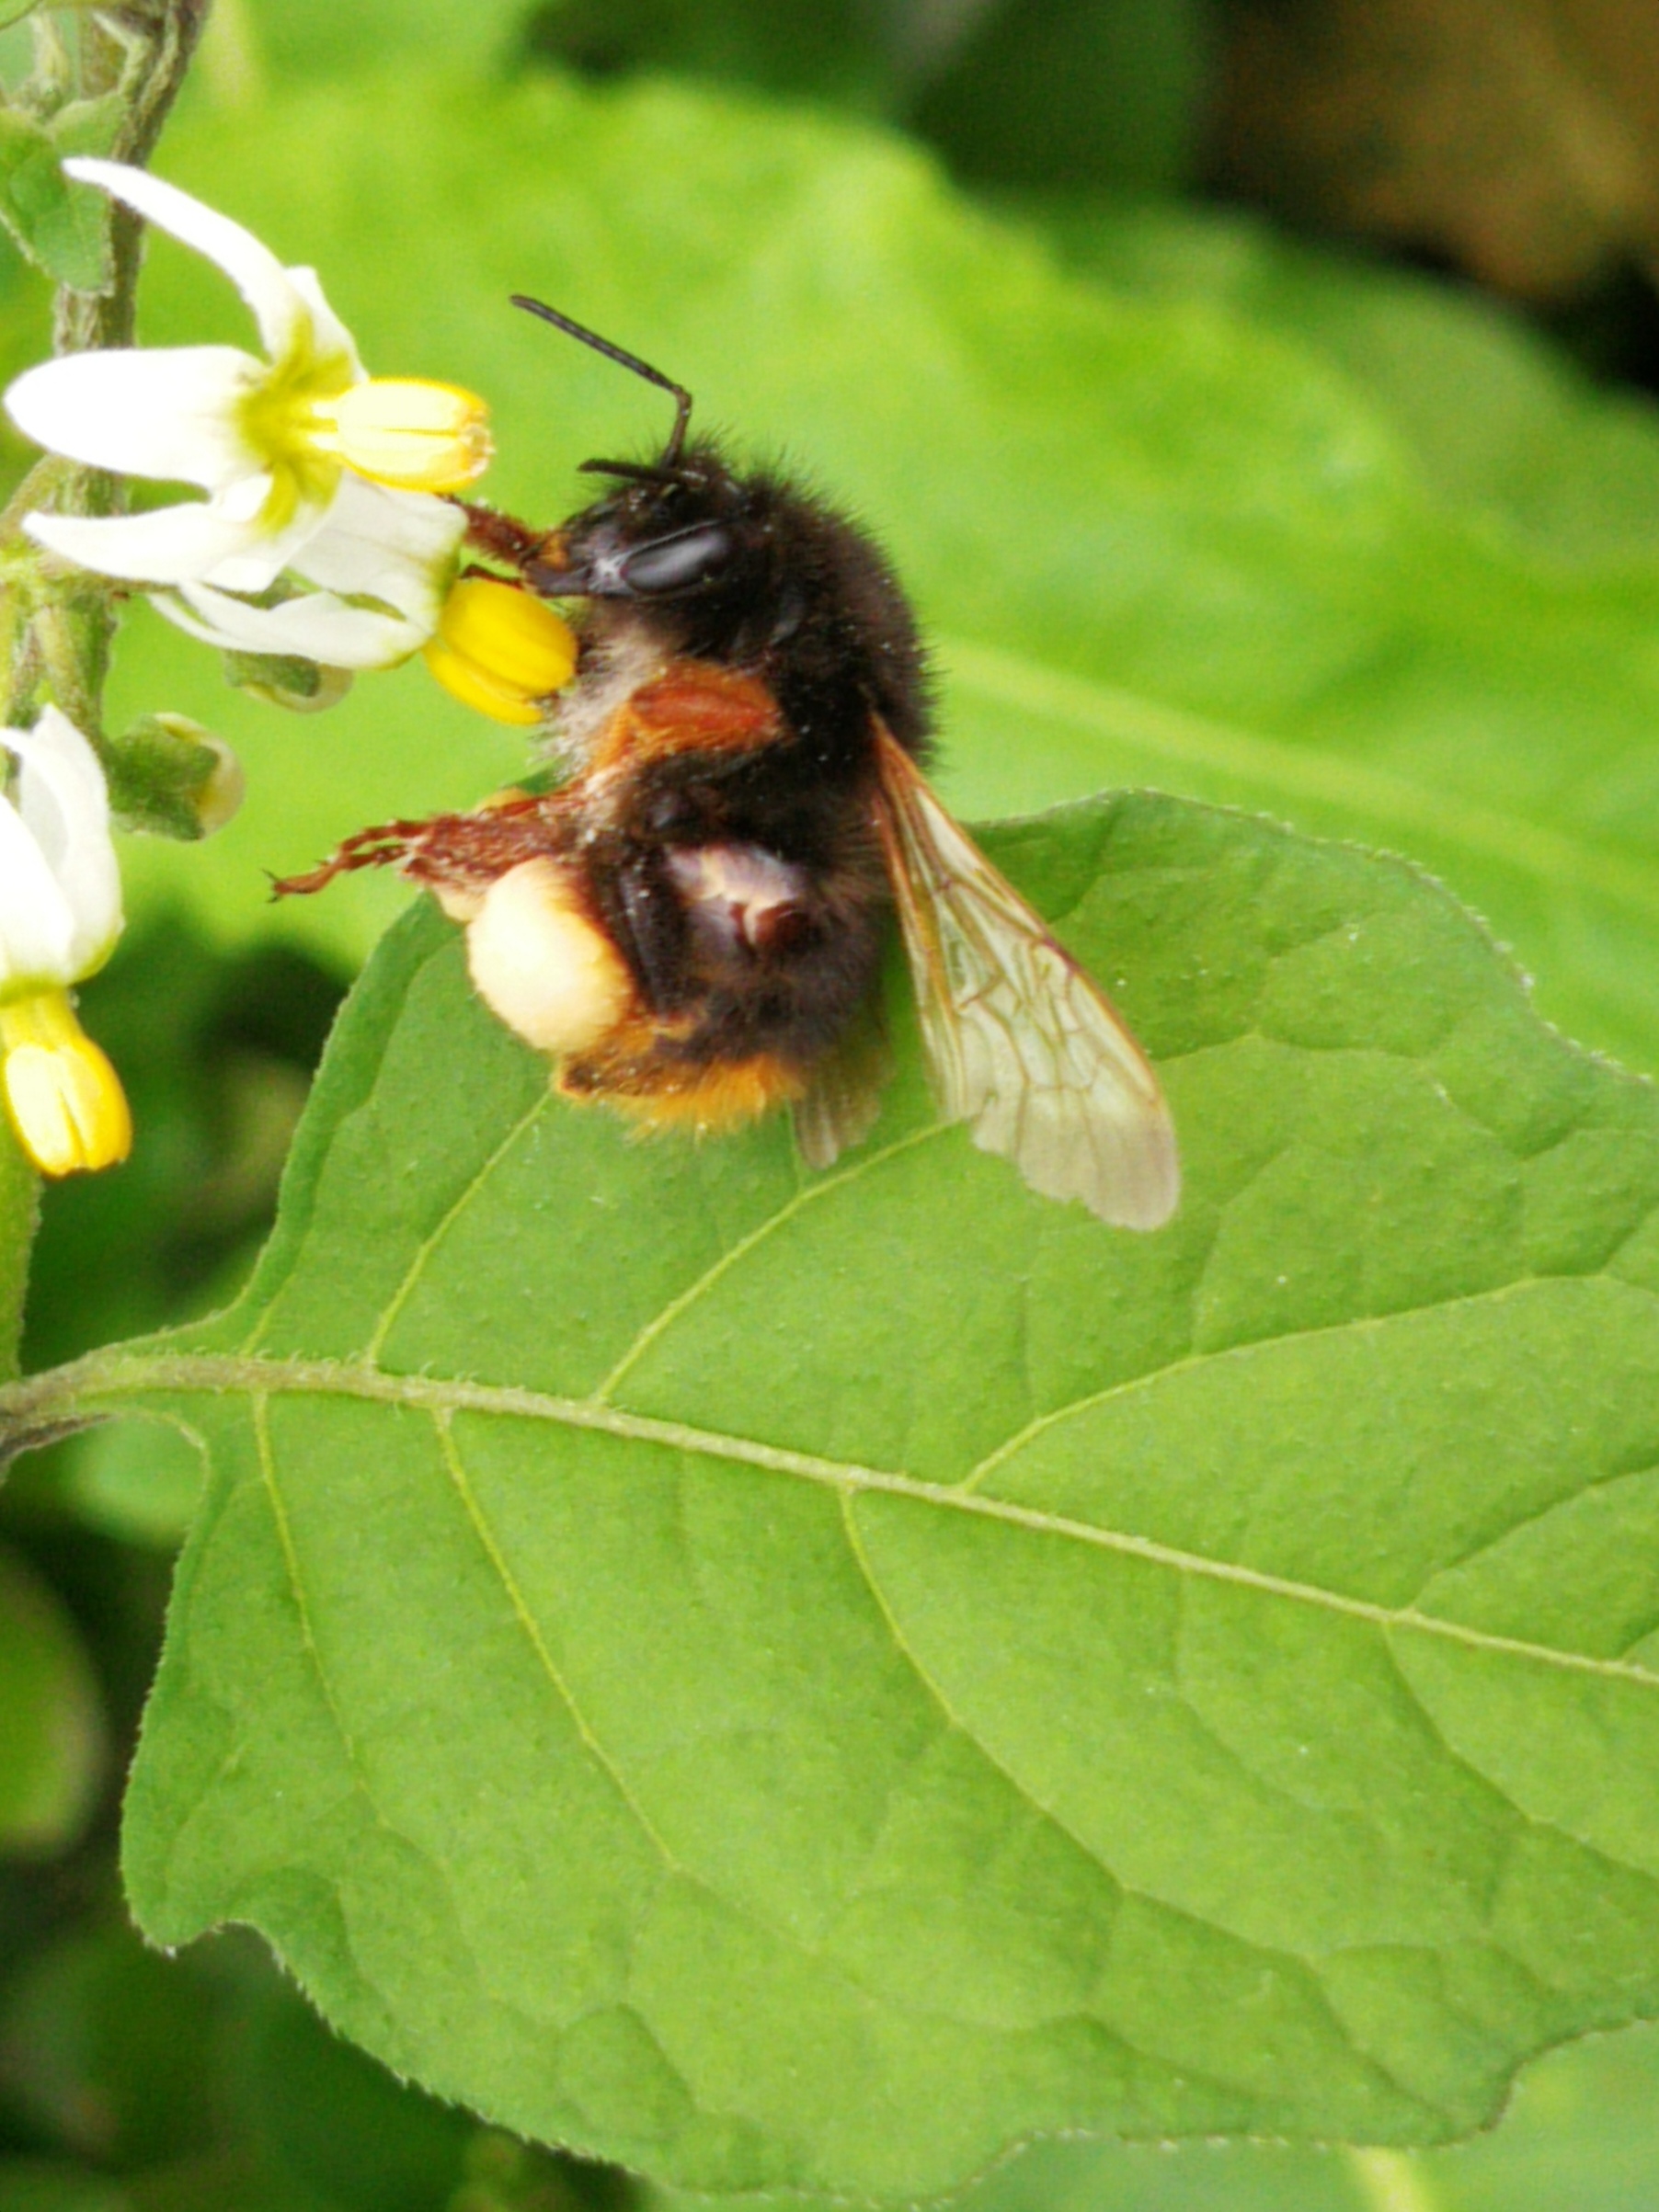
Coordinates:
[843,1096]
[1020,1043]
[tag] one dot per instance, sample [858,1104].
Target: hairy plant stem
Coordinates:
[57,626]
[19,1216]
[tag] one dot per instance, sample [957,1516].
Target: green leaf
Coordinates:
[110,2049]
[50,1729]
[1503,423]
[1581,2131]
[1156,541]
[800,1681]
[843,50]
[1100,92]
[42,2185]
[309,38]
[138,1481]
[63,227]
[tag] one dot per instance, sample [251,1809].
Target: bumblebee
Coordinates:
[692,924]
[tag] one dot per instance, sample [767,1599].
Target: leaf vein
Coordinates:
[429,1243]
[1192,1360]
[443,1422]
[933,1689]
[820,1187]
[259,1409]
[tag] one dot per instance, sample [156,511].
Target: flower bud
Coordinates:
[168,777]
[65,1100]
[502,649]
[403,432]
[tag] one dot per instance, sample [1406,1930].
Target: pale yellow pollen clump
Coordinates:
[65,1100]
[502,649]
[540,964]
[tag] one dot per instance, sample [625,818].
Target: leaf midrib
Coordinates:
[117,1377]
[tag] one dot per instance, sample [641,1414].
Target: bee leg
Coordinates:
[382,846]
[500,536]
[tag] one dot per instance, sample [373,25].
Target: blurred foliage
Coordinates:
[128,2082]
[1516,139]
[1097,93]
[215,1054]
[131,2079]
[283,39]
[1504,427]
[1100,93]
[50,1729]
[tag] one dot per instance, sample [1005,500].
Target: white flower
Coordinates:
[60,915]
[380,566]
[270,442]
[59,887]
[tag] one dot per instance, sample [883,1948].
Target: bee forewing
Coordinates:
[1020,1043]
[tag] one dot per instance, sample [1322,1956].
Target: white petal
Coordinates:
[396,546]
[279,308]
[64,806]
[36,926]
[178,544]
[317,626]
[173,413]
[328,333]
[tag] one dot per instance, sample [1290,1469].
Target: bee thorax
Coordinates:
[620,655]
[540,964]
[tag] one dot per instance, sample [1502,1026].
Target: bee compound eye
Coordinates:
[677,563]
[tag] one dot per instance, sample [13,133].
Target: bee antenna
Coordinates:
[683,398]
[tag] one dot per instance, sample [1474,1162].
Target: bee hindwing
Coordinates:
[843,1098]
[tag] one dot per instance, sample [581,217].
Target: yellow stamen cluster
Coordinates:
[64,1099]
[502,649]
[408,432]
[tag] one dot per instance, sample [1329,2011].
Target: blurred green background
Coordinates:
[1257,398]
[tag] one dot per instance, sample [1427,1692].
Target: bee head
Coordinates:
[739,568]
[674,531]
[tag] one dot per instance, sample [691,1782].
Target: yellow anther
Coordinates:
[502,649]
[65,1100]
[403,432]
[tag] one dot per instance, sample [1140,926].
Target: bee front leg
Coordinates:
[503,539]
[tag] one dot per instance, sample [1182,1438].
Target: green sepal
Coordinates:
[287,679]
